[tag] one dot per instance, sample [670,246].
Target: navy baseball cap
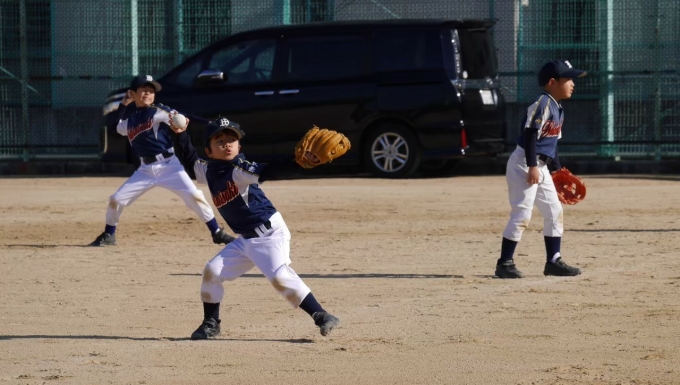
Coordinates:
[141,80]
[218,125]
[558,69]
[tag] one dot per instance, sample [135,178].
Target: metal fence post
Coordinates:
[178,28]
[657,82]
[520,29]
[607,92]
[23,49]
[134,28]
[492,3]
[286,11]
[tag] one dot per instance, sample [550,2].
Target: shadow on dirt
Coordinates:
[350,276]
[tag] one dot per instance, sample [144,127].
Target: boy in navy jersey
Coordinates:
[147,127]
[529,168]
[264,239]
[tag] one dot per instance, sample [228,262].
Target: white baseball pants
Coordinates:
[270,253]
[523,196]
[168,174]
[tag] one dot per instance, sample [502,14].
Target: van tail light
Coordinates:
[463,139]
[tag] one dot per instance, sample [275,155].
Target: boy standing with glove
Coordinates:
[528,173]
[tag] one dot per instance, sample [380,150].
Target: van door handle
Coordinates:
[264,93]
[288,92]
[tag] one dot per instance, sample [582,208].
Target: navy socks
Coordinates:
[310,305]
[552,247]
[507,250]
[212,226]
[110,229]
[211,310]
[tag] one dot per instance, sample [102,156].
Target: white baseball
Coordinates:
[179,121]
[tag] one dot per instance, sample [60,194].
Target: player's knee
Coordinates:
[211,293]
[198,195]
[114,201]
[522,217]
[289,285]
[556,212]
[211,272]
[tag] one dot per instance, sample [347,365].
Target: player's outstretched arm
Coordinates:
[282,168]
[165,114]
[317,147]
[189,157]
[125,109]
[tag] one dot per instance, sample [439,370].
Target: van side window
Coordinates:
[186,75]
[405,50]
[246,62]
[479,54]
[324,58]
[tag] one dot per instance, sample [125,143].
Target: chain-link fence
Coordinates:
[60,58]
[631,49]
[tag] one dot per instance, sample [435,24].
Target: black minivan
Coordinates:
[407,93]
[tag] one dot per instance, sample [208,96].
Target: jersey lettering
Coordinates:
[223,197]
[138,129]
[550,129]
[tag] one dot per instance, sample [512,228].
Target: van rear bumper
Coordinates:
[487,147]
[459,142]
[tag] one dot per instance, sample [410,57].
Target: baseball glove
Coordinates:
[570,188]
[320,146]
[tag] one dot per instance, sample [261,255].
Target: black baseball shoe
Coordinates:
[559,268]
[325,321]
[222,237]
[507,269]
[210,328]
[104,239]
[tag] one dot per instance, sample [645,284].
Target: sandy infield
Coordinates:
[406,265]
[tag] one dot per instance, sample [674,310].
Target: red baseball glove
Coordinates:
[570,188]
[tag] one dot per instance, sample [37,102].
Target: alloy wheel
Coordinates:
[390,152]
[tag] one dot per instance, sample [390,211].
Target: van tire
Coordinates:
[396,142]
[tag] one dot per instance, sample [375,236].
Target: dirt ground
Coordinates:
[407,266]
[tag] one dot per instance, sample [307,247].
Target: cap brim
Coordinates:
[156,85]
[573,73]
[235,131]
[232,129]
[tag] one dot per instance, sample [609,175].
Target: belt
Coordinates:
[545,158]
[155,158]
[258,231]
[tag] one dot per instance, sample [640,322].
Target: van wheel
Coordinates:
[391,151]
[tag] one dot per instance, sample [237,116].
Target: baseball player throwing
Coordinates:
[264,239]
[147,127]
[529,168]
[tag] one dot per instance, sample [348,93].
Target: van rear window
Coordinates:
[478,53]
[405,50]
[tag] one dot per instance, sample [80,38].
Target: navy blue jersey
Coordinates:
[147,130]
[234,185]
[544,119]
[235,191]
